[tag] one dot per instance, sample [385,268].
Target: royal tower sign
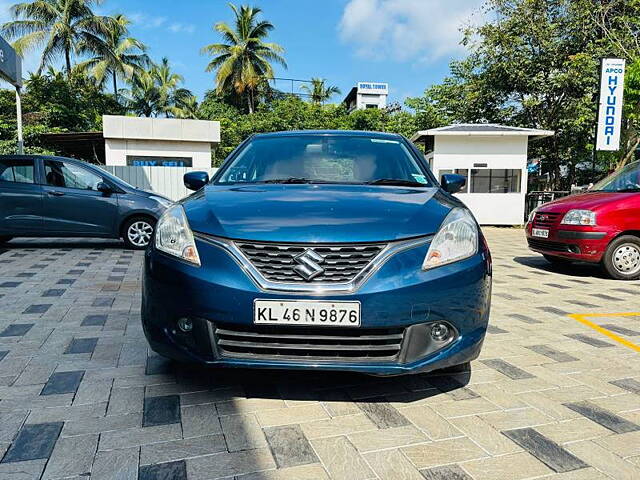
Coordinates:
[610,110]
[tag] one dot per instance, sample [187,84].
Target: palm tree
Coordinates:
[243,61]
[157,91]
[187,107]
[120,56]
[57,25]
[143,97]
[318,92]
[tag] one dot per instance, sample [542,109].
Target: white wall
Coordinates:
[510,152]
[116,151]
[166,181]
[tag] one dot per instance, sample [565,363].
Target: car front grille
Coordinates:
[545,219]
[549,246]
[308,343]
[337,263]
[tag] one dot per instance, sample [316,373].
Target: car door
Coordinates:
[72,204]
[20,197]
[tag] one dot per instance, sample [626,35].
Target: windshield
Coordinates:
[325,159]
[626,179]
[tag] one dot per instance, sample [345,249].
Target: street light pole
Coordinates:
[19,117]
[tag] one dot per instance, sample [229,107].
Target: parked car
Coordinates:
[42,196]
[329,250]
[598,226]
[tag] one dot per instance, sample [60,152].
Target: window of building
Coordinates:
[459,171]
[16,170]
[495,180]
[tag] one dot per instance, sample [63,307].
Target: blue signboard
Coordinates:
[10,64]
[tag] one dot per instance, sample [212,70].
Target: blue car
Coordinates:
[42,196]
[327,250]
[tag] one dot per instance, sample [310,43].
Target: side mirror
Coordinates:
[452,183]
[104,188]
[195,180]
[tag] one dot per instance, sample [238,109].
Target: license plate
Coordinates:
[540,232]
[316,313]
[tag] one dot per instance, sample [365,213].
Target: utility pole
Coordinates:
[19,118]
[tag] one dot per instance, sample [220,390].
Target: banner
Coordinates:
[610,110]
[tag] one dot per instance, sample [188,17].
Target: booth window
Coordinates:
[495,180]
[459,171]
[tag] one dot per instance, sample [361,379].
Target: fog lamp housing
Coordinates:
[185,325]
[440,332]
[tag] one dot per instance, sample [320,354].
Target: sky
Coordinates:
[406,43]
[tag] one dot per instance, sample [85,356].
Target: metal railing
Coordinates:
[535,199]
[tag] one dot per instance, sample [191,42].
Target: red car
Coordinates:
[599,226]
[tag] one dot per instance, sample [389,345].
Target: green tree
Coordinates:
[318,92]
[119,56]
[59,26]
[534,63]
[243,62]
[157,91]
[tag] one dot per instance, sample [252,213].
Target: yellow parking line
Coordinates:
[582,318]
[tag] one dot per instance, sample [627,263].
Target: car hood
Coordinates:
[317,213]
[584,201]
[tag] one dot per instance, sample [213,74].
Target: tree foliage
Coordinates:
[535,63]
[62,27]
[243,61]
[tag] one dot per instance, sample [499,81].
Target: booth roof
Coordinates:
[482,129]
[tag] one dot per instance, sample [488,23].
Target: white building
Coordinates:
[159,142]
[494,160]
[367,95]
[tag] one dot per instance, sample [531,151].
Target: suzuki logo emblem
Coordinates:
[308,264]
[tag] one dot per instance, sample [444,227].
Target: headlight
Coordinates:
[162,201]
[456,240]
[579,217]
[532,215]
[173,235]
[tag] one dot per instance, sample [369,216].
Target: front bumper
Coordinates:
[398,297]
[586,244]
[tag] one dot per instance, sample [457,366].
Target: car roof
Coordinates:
[45,157]
[341,133]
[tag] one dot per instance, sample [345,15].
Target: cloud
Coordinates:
[406,30]
[182,28]
[144,20]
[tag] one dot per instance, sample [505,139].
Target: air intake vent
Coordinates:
[308,343]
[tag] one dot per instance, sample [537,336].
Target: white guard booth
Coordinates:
[158,142]
[494,160]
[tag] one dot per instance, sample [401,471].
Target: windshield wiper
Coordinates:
[627,190]
[396,181]
[288,180]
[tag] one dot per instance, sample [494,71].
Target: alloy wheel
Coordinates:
[139,233]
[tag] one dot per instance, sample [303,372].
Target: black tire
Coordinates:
[621,260]
[138,231]
[4,239]
[557,261]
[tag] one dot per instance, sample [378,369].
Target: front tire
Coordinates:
[137,232]
[622,258]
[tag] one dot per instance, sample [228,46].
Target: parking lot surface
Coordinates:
[555,394]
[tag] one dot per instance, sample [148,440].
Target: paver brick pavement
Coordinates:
[82,395]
